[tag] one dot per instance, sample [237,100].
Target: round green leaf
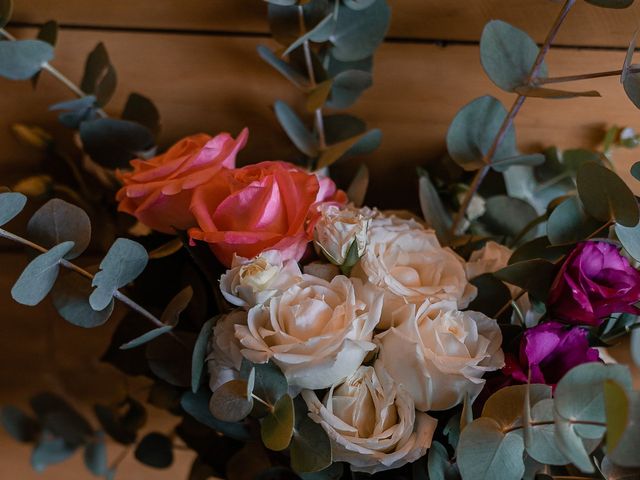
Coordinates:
[617,412]
[22,59]
[50,451]
[310,446]
[18,424]
[358,4]
[630,239]
[505,406]
[95,456]
[542,444]
[438,464]
[357,34]
[569,223]
[605,196]
[570,444]
[11,204]
[579,395]
[229,403]
[473,130]
[625,453]
[507,55]
[295,129]
[507,215]
[197,405]
[277,427]
[199,353]
[58,221]
[70,297]
[6,9]
[37,280]
[155,450]
[485,453]
[534,276]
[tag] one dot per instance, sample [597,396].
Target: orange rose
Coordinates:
[158,191]
[259,207]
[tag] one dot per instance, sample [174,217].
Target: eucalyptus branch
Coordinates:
[511,301]
[621,332]
[319,121]
[84,273]
[58,75]
[508,120]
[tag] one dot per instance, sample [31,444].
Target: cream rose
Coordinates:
[490,258]
[337,230]
[407,261]
[251,282]
[439,353]
[372,423]
[317,332]
[224,359]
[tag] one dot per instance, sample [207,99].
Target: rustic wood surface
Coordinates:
[196,59]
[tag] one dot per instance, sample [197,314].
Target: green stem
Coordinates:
[508,120]
[551,422]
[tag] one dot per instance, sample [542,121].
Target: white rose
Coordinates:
[224,359]
[338,229]
[372,423]
[407,261]
[489,259]
[317,332]
[477,206]
[251,282]
[439,353]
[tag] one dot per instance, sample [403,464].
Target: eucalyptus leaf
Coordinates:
[197,405]
[492,295]
[124,261]
[310,445]
[50,451]
[534,276]
[370,139]
[486,453]
[18,424]
[270,383]
[295,129]
[358,4]
[106,87]
[142,110]
[146,337]
[285,69]
[505,406]
[532,159]
[473,130]
[37,280]
[628,58]
[538,248]
[357,190]
[357,34]
[439,465]
[569,223]
[113,143]
[199,355]
[61,419]
[155,450]
[169,357]
[319,33]
[74,112]
[229,403]
[625,454]
[166,249]
[58,221]
[318,96]
[22,59]
[507,215]
[347,86]
[49,32]
[553,93]
[570,444]
[95,456]
[70,297]
[433,210]
[630,239]
[606,196]
[95,69]
[11,204]
[542,444]
[277,428]
[616,406]
[507,55]
[579,395]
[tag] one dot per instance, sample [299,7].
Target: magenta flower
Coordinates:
[548,351]
[594,282]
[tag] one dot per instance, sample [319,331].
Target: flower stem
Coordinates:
[585,76]
[508,120]
[82,272]
[58,75]
[319,120]
[552,422]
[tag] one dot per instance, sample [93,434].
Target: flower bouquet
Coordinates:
[298,333]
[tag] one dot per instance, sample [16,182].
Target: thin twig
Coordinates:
[552,422]
[319,120]
[82,272]
[508,120]
[584,76]
[58,75]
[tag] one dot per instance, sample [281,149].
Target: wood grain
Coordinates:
[418,19]
[212,84]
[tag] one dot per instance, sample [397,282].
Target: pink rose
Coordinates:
[259,207]
[158,191]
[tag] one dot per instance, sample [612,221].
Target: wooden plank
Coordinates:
[421,19]
[205,83]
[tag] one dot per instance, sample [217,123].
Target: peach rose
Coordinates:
[158,191]
[259,207]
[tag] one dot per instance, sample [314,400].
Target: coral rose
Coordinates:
[259,207]
[158,191]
